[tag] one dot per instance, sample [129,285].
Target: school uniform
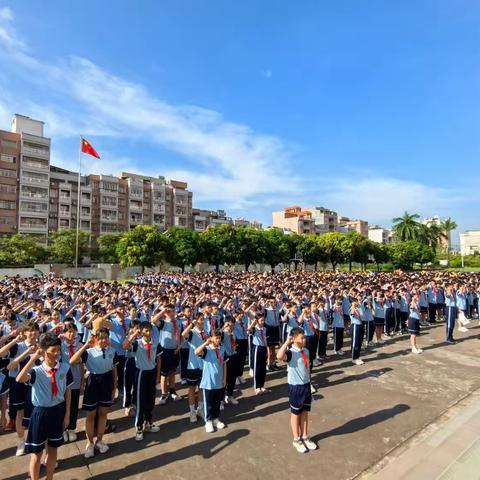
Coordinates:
[396,315]
[338,328]
[298,377]
[99,384]
[432,304]
[194,364]
[259,342]
[145,379]
[241,337]
[423,302]
[184,350]
[323,321]
[368,322]
[389,316]
[441,300]
[404,310]
[462,301]
[210,324]
[48,399]
[67,351]
[311,328]
[357,333]
[129,373]
[378,313]
[451,314]
[19,393]
[230,345]
[169,343]
[212,381]
[414,320]
[272,325]
[118,333]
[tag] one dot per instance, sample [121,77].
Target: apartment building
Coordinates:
[360,226]
[202,219]
[325,219]
[470,242]
[9,166]
[380,235]
[294,219]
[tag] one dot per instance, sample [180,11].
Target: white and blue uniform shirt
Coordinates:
[240,329]
[170,331]
[142,359]
[366,312]
[271,316]
[259,336]
[212,368]
[355,317]
[310,324]
[195,339]
[66,354]
[118,333]
[323,320]
[41,383]
[99,361]
[298,366]
[379,309]
[338,321]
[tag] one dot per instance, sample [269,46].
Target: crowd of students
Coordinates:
[63,339]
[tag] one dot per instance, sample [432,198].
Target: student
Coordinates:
[70,345]
[241,337]
[414,322]
[356,332]
[404,309]
[186,319]
[323,316]
[272,324]
[230,345]
[146,352]
[309,323]
[4,388]
[451,311]
[299,392]
[338,328]
[213,379]
[170,343]
[259,342]
[194,336]
[50,383]
[129,373]
[100,361]
[18,351]
[378,316]
[118,333]
[423,305]
[366,312]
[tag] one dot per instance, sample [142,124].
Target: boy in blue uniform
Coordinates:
[272,324]
[50,382]
[259,344]
[299,393]
[338,328]
[146,352]
[213,379]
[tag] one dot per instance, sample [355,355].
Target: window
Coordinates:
[8,189]
[7,204]
[33,207]
[8,173]
[8,158]
[35,148]
[9,143]
[7,221]
[64,223]
[85,224]
[110,201]
[113,187]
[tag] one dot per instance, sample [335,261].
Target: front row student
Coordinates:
[100,360]
[299,392]
[213,378]
[50,382]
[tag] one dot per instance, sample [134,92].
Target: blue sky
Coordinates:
[369,108]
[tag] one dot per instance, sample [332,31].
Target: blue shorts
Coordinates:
[194,376]
[98,391]
[170,361]
[414,326]
[17,395]
[300,398]
[273,334]
[379,322]
[46,425]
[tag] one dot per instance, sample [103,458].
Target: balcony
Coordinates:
[134,207]
[159,208]
[34,180]
[27,227]
[64,213]
[36,152]
[42,167]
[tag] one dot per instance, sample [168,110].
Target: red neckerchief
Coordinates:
[203,335]
[233,344]
[148,346]
[71,349]
[175,330]
[217,353]
[315,331]
[52,372]
[304,357]
[187,322]
[124,325]
[262,333]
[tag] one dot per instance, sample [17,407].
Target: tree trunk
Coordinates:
[334,265]
[217,268]
[273,268]
[448,250]
[247,266]
[183,268]
[316,266]
[350,266]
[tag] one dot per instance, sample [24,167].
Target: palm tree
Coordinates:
[430,234]
[447,226]
[407,226]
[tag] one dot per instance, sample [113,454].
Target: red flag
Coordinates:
[88,149]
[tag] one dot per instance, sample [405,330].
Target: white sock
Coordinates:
[200,406]
[192,408]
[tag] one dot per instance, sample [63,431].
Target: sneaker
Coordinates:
[237,381]
[163,400]
[370,344]
[358,362]
[275,367]
[258,391]
[450,341]
[175,396]
[65,436]
[340,352]
[300,446]
[102,447]
[250,373]
[416,350]
[72,436]
[241,380]
[218,424]
[309,444]
[130,411]
[89,451]
[139,435]
[20,448]
[193,417]
[462,329]
[209,426]
[150,427]
[316,363]
[231,401]
[265,390]
[312,389]
[183,381]
[222,405]
[269,368]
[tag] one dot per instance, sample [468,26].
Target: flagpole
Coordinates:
[78,201]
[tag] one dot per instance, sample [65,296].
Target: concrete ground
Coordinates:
[360,417]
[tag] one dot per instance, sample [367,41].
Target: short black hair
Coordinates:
[296,331]
[48,340]
[145,324]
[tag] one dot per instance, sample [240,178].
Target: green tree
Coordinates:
[218,245]
[276,247]
[311,250]
[144,245]
[21,250]
[446,227]
[108,247]
[406,227]
[429,234]
[64,245]
[250,246]
[185,247]
[333,244]
[405,254]
[381,253]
